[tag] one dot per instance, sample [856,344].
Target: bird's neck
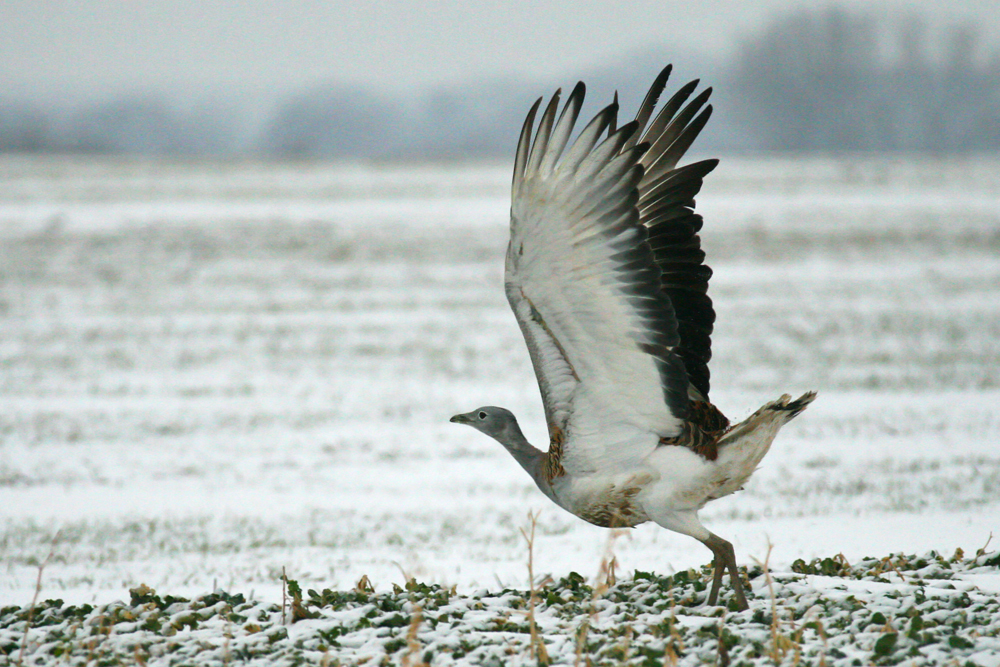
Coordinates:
[529,456]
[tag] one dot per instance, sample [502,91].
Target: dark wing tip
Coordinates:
[666,207]
[524,144]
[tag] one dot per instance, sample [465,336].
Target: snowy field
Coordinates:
[210,373]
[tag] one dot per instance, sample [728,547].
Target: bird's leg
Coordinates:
[719,563]
[725,559]
[720,568]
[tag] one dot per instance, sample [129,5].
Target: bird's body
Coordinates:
[605,275]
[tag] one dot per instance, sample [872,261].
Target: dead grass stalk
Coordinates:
[538,650]
[34,598]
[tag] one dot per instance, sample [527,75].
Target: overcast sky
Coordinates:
[58,51]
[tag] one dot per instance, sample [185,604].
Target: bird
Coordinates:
[606,277]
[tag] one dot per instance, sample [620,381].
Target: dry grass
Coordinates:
[782,644]
[34,599]
[538,650]
[413,647]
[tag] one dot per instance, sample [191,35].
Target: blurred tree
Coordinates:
[481,118]
[335,122]
[838,81]
[23,128]
[138,125]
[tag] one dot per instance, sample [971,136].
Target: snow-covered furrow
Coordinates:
[258,373]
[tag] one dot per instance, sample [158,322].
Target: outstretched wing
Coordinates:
[586,283]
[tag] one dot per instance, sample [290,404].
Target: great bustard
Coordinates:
[605,275]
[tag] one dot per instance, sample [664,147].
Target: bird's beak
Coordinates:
[460,419]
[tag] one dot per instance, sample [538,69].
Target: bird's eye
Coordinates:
[482,415]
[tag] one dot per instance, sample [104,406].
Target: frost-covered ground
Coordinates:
[211,372]
[920,611]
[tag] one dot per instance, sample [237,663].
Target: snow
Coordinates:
[212,372]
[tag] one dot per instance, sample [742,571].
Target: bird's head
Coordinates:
[498,423]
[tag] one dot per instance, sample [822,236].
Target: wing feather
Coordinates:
[588,138]
[564,127]
[662,155]
[667,112]
[539,146]
[523,146]
[649,102]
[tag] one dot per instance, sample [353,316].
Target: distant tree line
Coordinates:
[831,80]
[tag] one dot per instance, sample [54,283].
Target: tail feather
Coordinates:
[771,415]
[742,447]
[793,408]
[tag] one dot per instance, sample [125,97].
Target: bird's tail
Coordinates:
[776,413]
[745,444]
[790,408]
[767,420]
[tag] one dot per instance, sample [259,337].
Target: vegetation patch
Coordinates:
[901,609]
